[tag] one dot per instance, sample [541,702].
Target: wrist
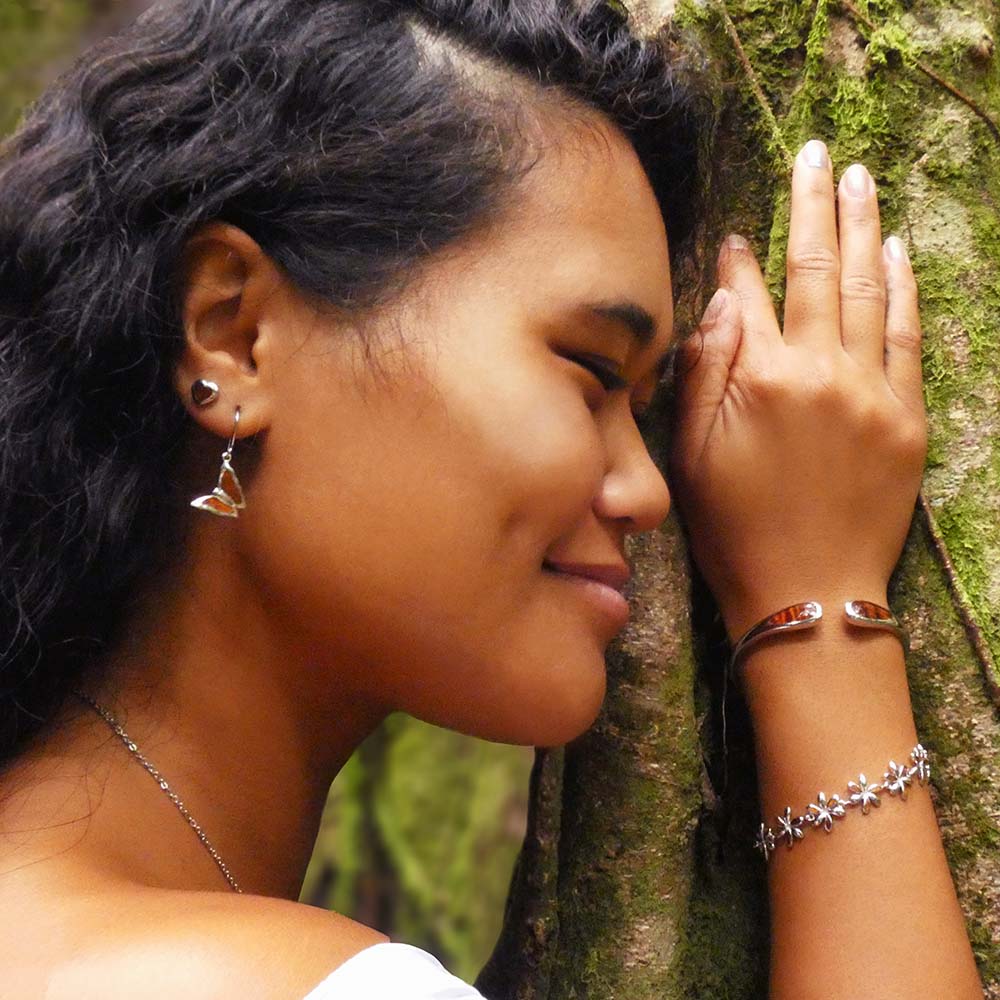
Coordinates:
[824,681]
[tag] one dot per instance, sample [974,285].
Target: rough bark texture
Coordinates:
[643,884]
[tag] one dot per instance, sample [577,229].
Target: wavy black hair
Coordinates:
[352,139]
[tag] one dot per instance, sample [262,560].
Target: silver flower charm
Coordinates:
[824,812]
[789,828]
[919,757]
[765,841]
[863,794]
[897,778]
[859,793]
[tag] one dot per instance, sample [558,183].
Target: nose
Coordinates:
[633,488]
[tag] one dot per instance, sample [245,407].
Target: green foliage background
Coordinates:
[35,37]
[422,826]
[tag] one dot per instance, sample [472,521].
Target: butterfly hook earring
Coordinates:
[226,500]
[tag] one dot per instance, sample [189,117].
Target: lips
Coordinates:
[614,575]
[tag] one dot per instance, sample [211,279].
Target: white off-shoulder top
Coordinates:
[391,970]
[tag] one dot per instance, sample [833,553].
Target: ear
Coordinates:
[226,282]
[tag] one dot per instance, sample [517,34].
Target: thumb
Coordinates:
[702,366]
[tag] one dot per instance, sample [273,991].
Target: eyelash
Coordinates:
[611,381]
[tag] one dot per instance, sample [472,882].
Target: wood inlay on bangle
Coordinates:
[871,610]
[803,612]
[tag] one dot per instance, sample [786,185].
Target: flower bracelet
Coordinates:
[860,793]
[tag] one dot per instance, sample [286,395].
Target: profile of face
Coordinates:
[406,504]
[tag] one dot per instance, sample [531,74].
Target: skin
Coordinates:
[391,558]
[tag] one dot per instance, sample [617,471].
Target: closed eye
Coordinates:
[611,380]
[602,369]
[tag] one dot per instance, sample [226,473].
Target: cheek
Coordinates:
[543,457]
[473,481]
[404,539]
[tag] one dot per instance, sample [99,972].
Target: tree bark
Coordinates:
[636,878]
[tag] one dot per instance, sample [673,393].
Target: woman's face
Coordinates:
[405,507]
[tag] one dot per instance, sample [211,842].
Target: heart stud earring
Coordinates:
[204,393]
[226,500]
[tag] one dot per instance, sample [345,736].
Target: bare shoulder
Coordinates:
[207,946]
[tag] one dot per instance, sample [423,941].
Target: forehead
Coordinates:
[586,227]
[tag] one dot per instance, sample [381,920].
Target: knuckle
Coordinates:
[899,430]
[860,287]
[813,260]
[744,298]
[911,440]
[873,419]
[863,215]
[905,336]
[820,387]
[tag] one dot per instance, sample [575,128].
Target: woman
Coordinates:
[407,266]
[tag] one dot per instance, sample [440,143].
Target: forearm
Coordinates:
[869,908]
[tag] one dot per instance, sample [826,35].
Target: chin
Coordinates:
[548,736]
[560,715]
[544,690]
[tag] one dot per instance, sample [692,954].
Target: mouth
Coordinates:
[599,586]
[613,575]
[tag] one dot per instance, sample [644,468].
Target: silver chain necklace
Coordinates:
[161,781]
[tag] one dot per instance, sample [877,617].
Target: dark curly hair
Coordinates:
[352,139]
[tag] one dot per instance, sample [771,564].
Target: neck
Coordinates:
[247,728]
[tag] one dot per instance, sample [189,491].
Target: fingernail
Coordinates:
[896,249]
[716,305]
[858,181]
[815,153]
[736,242]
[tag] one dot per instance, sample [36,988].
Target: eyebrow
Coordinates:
[639,322]
[631,315]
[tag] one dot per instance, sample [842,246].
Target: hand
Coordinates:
[796,458]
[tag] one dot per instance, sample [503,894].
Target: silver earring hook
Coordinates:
[228,454]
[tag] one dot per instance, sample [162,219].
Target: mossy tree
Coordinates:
[637,877]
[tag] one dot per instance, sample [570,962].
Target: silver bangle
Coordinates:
[865,614]
[860,793]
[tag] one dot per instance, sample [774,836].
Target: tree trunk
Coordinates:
[636,877]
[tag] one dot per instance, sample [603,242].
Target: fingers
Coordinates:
[836,294]
[740,272]
[862,274]
[844,291]
[902,327]
[812,302]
